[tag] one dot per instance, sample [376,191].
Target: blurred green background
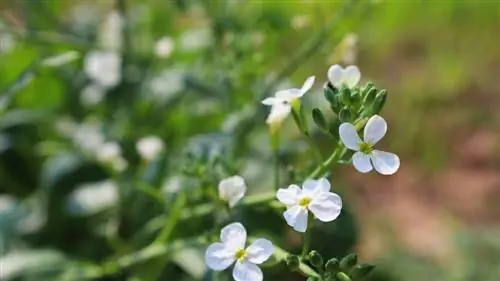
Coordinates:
[192,73]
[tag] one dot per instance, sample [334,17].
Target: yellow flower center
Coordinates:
[365,148]
[240,254]
[304,201]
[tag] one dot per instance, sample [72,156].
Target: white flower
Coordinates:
[220,256]
[103,67]
[232,189]
[149,147]
[92,95]
[339,76]
[366,157]
[281,104]
[164,47]
[315,196]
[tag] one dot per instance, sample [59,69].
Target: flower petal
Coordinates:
[307,85]
[232,189]
[349,136]
[326,207]
[278,113]
[336,75]
[362,162]
[218,257]
[234,236]
[271,101]
[385,163]
[351,76]
[375,129]
[260,250]
[288,95]
[296,217]
[247,271]
[289,196]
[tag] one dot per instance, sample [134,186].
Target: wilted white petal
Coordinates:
[259,251]
[385,163]
[218,257]
[289,196]
[362,162]
[234,236]
[336,75]
[278,113]
[349,136]
[326,207]
[351,76]
[288,95]
[375,129]
[307,85]
[246,271]
[232,189]
[296,217]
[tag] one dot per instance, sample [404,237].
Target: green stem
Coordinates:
[307,237]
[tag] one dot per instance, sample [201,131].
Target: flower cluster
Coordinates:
[356,107]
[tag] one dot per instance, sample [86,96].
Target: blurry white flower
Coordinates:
[7,42]
[166,85]
[111,31]
[219,256]
[149,147]
[232,189]
[300,21]
[315,196]
[281,104]
[92,95]
[195,39]
[164,47]
[366,157]
[93,197]
[108,152]
[339,76]
[103,67]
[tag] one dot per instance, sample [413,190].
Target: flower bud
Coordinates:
[315,258]
[348,262]
[361,270]
[332,266]
[319,119]
[345,115]
[379,102]
[293,262]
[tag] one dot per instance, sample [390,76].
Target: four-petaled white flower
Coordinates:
[149,147]
[220,256]
[339,76]
[232,189]
[282,102]
[366,157]
[315,196]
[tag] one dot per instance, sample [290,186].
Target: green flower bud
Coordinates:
[315,258]
[293,262]
[332,266]
[379,102]
[361,270]
[370,97]
[341,276]
[319,119]
[348,262]
[345,115]
[346,96]
[330,92]
[367,88]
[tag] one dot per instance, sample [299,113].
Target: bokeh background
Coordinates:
[82,81]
